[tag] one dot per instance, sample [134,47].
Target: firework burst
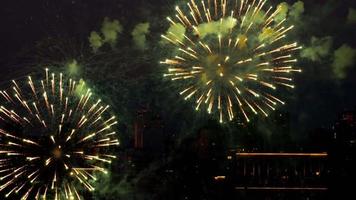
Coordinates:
[54,138]
[233,57]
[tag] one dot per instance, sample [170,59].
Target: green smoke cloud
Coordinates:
[296,10]
[81,88]
[258,18]
[105,183]
[319,48]
[266,33]
[221,27]
[283,7]
[139,35]
[175,31]
[73,67]
[110,30]
[351,18]
[95,41]
[344,58]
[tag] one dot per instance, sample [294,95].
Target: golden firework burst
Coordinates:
[54,138]
[232,57]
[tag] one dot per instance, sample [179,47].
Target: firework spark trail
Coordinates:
[238,70]
[54,138]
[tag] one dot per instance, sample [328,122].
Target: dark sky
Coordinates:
[317,100]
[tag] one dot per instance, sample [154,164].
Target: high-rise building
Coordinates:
[139,126]
[149,132]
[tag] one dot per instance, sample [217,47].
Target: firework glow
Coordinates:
[54,138]
[232,58]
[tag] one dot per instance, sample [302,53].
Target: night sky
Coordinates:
[319,97]
[39,33]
